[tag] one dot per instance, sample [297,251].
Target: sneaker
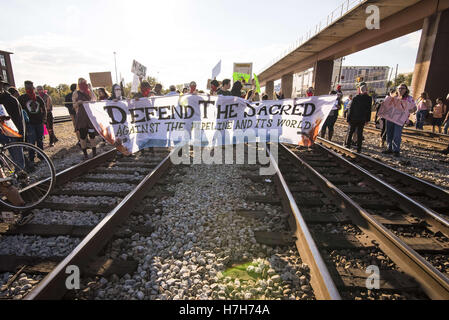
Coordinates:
[387,151]
[25,219]
[396,154]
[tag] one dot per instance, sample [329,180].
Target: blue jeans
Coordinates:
[446,127]
[421,116]
[394,136]
[35,135]
[16,153]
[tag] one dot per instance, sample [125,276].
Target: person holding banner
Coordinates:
[102,94]
[214,87]
[225,86]
[331,118]
[396,111]
[192,86]
[236,90]
[82,122]
[309,92]
[117,93]
[145,90]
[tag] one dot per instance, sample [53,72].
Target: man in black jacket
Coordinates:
[358,115]
[34,106]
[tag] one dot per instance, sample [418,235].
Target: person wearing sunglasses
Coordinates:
[404,104]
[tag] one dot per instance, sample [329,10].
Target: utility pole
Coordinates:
[339,74]
[115,61]
[396,76]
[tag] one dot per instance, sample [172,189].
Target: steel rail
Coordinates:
[407,203]
[321,280]
[72,172]
[409,138]
[53,286]
[427,187]
[427,134]
[433,282]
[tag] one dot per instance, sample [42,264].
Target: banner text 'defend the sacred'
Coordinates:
[205,120]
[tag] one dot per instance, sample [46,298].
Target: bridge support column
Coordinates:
[322,76]
[432,64]
[287,85]
[269,89]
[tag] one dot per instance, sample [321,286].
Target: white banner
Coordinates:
[132,125]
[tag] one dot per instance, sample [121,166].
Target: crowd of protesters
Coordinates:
[357,112]
[32,112]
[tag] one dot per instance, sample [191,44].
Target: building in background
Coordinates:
[376,77]
[301,82]
[6,67]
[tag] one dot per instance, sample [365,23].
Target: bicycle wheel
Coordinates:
[33,180]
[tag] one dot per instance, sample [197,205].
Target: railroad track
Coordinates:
[62,119]
[358,220]
[333,216]
[416,137]
[88,203]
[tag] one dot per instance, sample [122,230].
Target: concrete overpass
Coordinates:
[349,34]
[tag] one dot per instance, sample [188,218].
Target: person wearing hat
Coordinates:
[14,110]
[35,109]
[359,113]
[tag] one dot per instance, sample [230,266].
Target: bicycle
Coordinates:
[23,183]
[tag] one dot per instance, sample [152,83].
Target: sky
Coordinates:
[178,41]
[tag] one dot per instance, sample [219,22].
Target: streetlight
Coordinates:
[115,60]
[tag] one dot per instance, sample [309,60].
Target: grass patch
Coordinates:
[241,272]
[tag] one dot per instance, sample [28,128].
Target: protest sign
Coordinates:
[139,69]
[100,79]
[256,81]
[132,125]
[242,77]
[216,70]
[396,110]
[135,85]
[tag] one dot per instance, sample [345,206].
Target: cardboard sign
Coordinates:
[139,69]
[216,70]
[101,79]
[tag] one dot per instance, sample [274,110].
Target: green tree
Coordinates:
[404,78]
